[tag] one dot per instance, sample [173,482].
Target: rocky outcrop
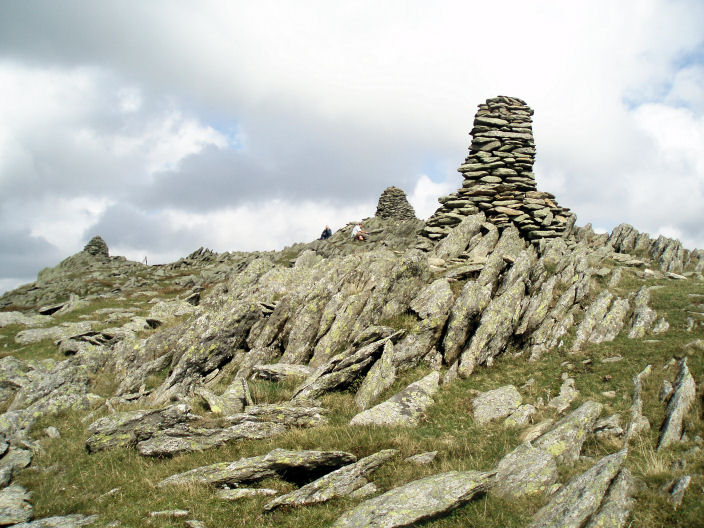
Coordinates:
[524,471]
[496,404]
[416,501]
[565,440]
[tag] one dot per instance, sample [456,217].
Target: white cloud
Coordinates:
[424,197]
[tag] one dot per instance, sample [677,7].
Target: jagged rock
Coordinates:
[643,316]
[675,490]
[75,520]
[458,238]
[638,422]
[394,204]
[565,440]
[294,465]
[165,310]
[524,471]
[281,371]
[125,429]
[422,458]
[15,459]
[242,493]
[416,501]
[471,301]
[677,407]
[187,439]
[521,416]
[339,483]
[235,398]
[364,492]
[593,317]
[568,393]
[379,378]
[404,408]
[341,370]
[617,504]
[577,500]
[288,414]
[496,404]
[496,326]
[15,506]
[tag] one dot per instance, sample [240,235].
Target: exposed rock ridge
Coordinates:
[498,178]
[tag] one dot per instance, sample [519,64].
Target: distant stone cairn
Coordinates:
[97,247]
[498,178]
[394,204]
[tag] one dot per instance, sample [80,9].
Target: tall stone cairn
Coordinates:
[498,178]
[394,204]
[97,247]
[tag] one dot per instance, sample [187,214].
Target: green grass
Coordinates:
[64,478]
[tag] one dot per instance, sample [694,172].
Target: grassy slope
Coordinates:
[66,479]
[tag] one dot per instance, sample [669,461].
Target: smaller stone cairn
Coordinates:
[394,204]
[97,247]
[498,178]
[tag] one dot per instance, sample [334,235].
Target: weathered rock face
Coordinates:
[498,178]
[565,441]
[524,471]
[394,204]
[416,501]
[580,497]
[495,404]
[677,407]
[404,408]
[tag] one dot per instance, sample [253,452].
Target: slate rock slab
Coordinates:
[577,500]
[677,407]
[125,429]
[14,505]
[565,440]
[187,439]
[496,404]
[339,483]
[616,506]
[416,501]
[297,465]
[288,414]
[404,408]
[524,471]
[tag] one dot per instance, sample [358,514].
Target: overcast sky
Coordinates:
[164,125]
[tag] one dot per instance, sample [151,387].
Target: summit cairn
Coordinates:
[97,247]
[394,204]
[498,178]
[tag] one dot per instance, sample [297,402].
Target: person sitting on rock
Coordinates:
[327,233]
[358,233]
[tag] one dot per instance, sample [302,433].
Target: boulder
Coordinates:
[379,378]
[15,506]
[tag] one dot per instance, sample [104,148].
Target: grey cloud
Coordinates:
[22,255]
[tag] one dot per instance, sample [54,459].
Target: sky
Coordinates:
[164,126]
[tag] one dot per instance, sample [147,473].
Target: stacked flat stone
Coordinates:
[97,247]
[394,204]
[498,177]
